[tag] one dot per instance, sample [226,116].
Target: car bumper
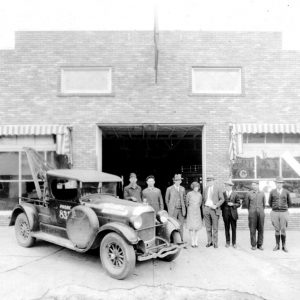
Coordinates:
[167,250]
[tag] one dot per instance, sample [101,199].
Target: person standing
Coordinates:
[152,195]
[280,201]
[133,191]
[229,212]
[194,220]
[212,200]
[174,198]
[255,202]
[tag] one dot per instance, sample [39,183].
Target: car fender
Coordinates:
[31,213]
[122,229]
[167,229]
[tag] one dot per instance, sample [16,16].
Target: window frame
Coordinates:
[218,94]
[65,93]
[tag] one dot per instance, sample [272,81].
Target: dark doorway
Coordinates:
[153,149]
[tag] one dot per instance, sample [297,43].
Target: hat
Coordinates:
[149,177]
[210,178]
[177,177]
[279,179]
[132,175]
[229,182]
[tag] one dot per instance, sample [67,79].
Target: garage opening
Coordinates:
[157,150]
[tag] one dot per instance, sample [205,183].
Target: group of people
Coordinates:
[215,202]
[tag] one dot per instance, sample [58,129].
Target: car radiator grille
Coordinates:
[147,231]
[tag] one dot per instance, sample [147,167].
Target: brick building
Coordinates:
[108,101]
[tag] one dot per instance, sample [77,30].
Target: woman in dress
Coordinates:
[194,220]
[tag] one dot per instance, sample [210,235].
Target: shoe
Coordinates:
[227,245]
[234,246]
[196,246]
[276,247]
[209,245]
[215,246]
[277,238]
[253,248]
[260,248]
[192,246]
[283,239]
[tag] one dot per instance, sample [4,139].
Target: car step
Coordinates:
[56,240]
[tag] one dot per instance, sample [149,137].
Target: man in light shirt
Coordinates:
[212,200]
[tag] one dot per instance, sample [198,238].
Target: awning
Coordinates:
[62,132]
[238,128]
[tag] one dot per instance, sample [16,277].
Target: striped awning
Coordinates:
[62,133]
[6,130]
[239,128]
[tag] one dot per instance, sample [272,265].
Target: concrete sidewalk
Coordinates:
[46,271]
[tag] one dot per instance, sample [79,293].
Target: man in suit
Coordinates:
[280,201]
[255,202]
[229,212]
[175,195]
[152,195]
[212,200]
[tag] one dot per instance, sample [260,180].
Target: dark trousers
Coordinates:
[256,223]
[211,223]
[229,221]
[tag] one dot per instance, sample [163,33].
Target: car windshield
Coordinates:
[99,188]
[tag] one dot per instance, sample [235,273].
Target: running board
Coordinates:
[56,240]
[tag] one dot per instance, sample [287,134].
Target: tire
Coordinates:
[175,239]
[22,231]
[117,256]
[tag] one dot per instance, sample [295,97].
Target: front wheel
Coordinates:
[175,239]
[117,256]
[22,231]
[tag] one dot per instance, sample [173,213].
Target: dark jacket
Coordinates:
[280,202]
[255,200]
[217,198]
[231,210]
[175,199]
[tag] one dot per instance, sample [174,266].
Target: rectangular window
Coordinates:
[219,81]
[86,80]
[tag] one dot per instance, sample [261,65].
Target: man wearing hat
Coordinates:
[152,195]
[279,201]
[255,202]
[212,200]
[175,195]
[133,191]
[229,212]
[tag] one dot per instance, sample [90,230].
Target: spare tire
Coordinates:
[82,226]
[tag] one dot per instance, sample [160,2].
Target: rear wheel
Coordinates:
[22,231]
[117,256]
[175,239]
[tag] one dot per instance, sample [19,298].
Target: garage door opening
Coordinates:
[157,150]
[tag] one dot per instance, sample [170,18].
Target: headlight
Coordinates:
[162,216]
[137,222]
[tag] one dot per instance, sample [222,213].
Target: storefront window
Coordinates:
[243,168]
[293,186]
[287,171]
[267,167]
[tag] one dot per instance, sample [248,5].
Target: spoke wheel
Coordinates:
[117,256]
[22,231]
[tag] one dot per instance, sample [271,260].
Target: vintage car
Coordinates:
[79,210]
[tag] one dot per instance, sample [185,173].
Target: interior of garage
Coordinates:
[157,150]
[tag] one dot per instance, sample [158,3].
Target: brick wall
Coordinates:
[29,84]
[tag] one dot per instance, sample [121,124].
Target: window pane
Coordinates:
[217,80]
[9,195]
[274,138]
[25,170]
[9,164]
[256,138]
[287,170]
[292,138]
[243,168]
[242,188]
[86,80]
[267,167]
[294,188]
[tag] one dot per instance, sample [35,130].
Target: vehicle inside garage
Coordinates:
[158,150]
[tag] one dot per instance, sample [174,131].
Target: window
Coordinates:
[86,80]
[219,81]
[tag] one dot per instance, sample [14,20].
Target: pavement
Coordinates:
[50,272]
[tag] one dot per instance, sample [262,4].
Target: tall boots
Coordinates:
[277,237]
[283,237]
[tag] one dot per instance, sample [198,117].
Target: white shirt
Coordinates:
[209,201]
[279,191]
